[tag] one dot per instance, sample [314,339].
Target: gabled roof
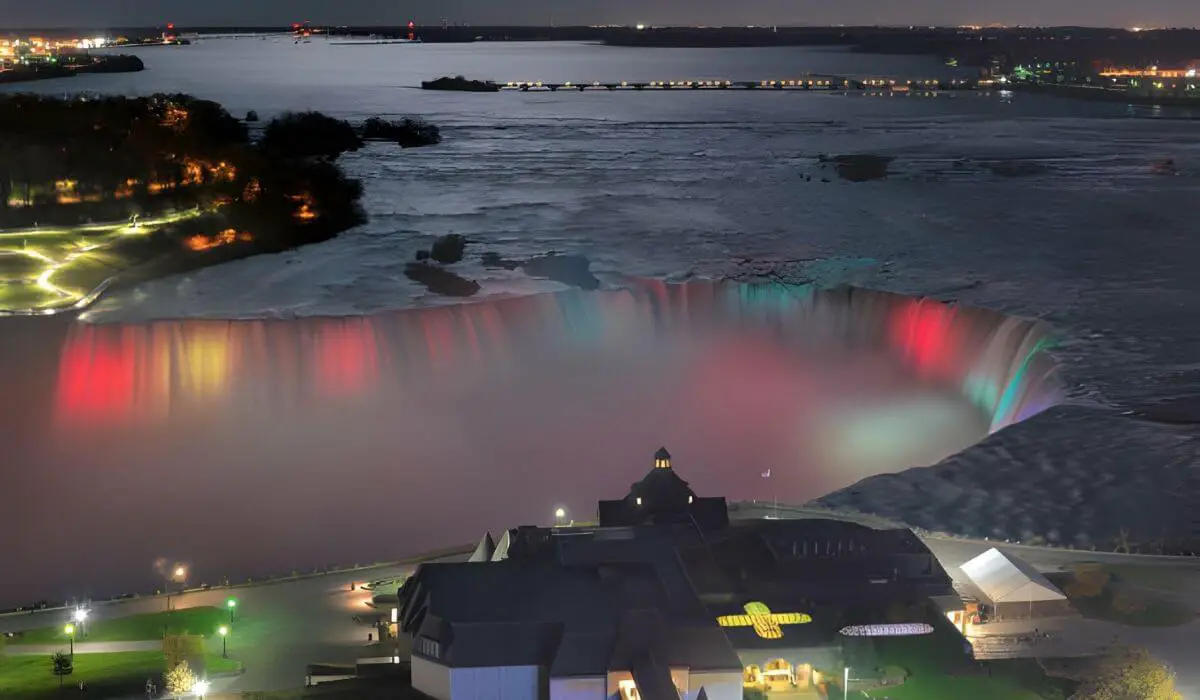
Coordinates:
[1003,578]
[484,550]
[501,550]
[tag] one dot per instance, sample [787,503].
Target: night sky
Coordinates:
[1118,13]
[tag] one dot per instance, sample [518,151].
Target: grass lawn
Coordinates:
[1154,612]
[1116,594]
[134,628]
[938,670]
[1163,578]
[118,673]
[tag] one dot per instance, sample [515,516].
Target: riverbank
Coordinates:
[1102,94]
[70,66]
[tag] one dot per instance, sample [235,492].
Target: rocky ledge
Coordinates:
[1142,496]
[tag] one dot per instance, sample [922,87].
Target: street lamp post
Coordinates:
[70,632]
[80,616]
[560,516]
[179,575]
[224,631]
[232,605]
[846,683]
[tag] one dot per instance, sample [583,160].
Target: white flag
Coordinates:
[766,474]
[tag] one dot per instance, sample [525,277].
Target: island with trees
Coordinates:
[70,65]
[97,192]
[460,84]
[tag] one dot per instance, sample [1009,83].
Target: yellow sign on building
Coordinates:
[766,624]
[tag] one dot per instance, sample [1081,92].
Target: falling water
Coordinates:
[250,444]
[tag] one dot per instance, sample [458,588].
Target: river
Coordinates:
[288,411]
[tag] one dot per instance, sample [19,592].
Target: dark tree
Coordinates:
[408,132]
[63,666]
[309,135]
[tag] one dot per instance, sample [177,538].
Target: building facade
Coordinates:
[665,598]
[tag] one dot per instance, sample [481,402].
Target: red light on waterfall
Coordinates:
[95,377]
[924,330]
[347,358]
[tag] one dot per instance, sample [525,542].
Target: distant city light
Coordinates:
[641,26]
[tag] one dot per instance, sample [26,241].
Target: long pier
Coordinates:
[824,83]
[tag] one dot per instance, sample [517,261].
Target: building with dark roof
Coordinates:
[665,599]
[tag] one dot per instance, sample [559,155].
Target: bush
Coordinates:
[309,135]
[408,132]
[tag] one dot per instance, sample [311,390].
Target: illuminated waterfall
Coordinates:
[119,373]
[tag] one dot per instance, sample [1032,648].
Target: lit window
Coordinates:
[689,499]
[639,500]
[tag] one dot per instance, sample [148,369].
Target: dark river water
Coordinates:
[317,406]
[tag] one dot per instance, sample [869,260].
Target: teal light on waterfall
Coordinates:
[772,296]
[982,392]
[1009,398]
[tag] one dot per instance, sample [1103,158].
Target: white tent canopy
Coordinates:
[1006,579]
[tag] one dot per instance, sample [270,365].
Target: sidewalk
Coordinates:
[81,648]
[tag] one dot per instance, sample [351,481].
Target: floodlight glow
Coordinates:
[560,513]
[200,688]
[223,630]
[69,630]
[80,614]
[180,572]
[903,629]
[231,603]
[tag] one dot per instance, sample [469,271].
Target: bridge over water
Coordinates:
[824,83]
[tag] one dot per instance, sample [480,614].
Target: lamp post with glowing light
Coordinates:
[224,632]
[560,517]
[200,688]
[178,575]
[69,630]
[80,617]
[232,605]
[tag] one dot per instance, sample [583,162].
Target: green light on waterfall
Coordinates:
[1010,392]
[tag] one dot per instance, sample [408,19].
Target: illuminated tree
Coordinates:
[63,666]
[1130,674]
[179,680]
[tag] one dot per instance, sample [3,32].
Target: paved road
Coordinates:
[81,648]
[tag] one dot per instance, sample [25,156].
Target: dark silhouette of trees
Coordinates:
[309,135]
[409,132]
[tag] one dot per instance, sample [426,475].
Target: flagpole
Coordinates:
[774,496]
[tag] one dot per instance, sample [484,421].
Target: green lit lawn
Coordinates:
[135,628]
[1156,612]
[105,674]
[25,295]
[938,671]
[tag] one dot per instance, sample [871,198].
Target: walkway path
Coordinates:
[81,648]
